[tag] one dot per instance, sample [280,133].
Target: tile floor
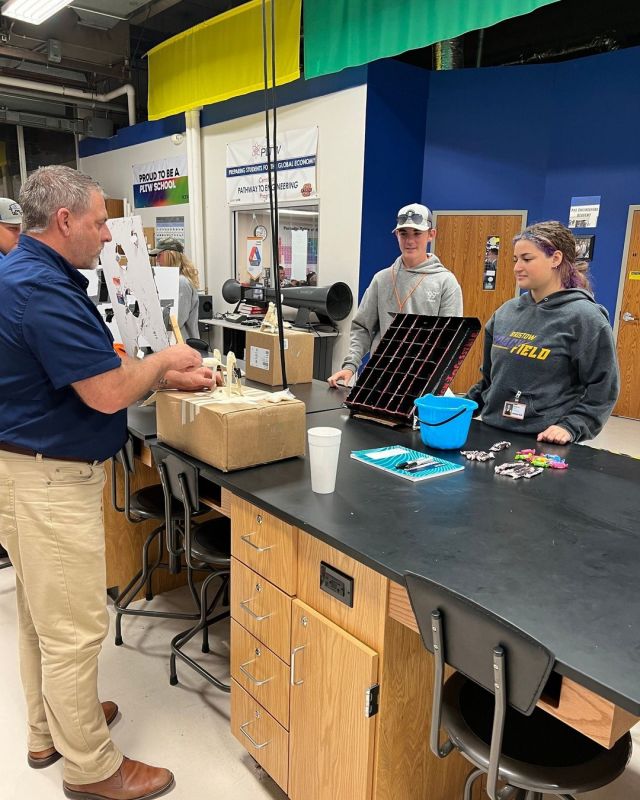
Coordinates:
[186,727]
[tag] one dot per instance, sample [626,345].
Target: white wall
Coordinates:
[114,172]
[340,118]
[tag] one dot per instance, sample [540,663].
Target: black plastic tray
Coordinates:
[418,355]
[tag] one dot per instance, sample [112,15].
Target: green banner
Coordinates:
[345,33]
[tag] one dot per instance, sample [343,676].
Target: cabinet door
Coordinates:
[331,737]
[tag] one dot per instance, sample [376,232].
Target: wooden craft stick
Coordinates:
[176,329]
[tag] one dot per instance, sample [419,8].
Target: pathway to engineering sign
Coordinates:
[161,183]
[296,153]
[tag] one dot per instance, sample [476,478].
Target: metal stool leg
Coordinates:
[472,777]
[143,576]
[181,639]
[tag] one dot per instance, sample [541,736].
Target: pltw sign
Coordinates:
[247,167]
[161,183]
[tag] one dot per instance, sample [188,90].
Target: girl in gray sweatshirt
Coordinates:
[549,365]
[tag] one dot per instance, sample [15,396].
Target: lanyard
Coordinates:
[401,304]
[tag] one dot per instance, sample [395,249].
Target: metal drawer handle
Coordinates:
[252,678]
[250,737]
[295,650]
[244,604]
[245,539]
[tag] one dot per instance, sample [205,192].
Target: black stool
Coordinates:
[488,708]
[206,546]
[148,503]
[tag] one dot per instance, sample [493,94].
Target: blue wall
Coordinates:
[533,137]
[396,115]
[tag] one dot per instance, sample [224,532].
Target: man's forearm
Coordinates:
[118,388]
[140,377]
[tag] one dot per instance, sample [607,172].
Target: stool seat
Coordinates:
[148,503]
[539,752]
[211,542]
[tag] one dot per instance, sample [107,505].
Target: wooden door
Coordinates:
[461,245]
[331,740]
[628,343]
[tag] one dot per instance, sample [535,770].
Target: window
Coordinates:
[297,245]
[10,182]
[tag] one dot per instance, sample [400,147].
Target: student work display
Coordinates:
[417,355]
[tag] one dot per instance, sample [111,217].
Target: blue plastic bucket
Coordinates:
[444,421]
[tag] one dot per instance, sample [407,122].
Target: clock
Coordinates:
[260,231]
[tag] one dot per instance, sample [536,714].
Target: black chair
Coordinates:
[4,558]
[207,546]
[488,707]
[148,503]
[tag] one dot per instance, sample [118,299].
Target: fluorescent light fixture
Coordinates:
[33,11]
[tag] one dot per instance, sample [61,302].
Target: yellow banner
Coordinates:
[223,58]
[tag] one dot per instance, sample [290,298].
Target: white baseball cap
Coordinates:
[10,211]
[415,215]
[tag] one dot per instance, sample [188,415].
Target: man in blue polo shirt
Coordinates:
[63,399]
[10,222]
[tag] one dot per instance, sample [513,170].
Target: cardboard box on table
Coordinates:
[263,357]
[231,435]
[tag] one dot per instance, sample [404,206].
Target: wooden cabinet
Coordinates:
[308,685]
[305,670]
[331,733]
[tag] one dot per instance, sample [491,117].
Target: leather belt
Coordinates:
[24,451]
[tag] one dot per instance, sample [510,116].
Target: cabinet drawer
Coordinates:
[265,543]
[263,737]
[260,672]
[261,608]
[365,619]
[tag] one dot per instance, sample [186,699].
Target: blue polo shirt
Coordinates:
[52,335]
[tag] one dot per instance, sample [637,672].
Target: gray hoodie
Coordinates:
[436,293]
[560,354]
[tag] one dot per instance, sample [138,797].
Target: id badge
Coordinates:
[513,409]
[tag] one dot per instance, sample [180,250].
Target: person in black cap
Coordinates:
[170,253]
[10,225]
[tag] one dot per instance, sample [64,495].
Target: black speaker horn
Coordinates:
[330,303]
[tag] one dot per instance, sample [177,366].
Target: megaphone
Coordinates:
[330,303]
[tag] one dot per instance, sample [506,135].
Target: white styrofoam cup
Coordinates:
[324,449]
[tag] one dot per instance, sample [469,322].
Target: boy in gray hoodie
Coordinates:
[549,365]
[416,283]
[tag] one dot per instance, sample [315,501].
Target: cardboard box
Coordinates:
[262,357]
[231,435]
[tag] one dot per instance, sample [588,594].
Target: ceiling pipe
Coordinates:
[77,94]
[10,92]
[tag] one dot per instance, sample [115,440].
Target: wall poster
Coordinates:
[161,183]
[584,212]
[491,253]
[296,153]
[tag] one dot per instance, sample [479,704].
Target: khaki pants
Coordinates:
[51,524]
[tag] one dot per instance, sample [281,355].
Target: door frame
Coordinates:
[491,213]
[623,270]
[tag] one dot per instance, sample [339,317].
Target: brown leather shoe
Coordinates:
[133,781]
[44,758]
